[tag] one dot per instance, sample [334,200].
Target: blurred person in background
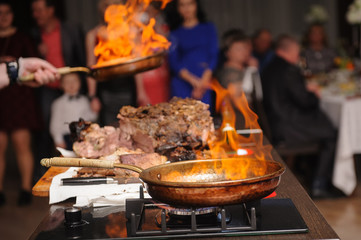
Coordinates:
[240,70]
[68,108]
[294,114]
[107,97]
[262,47]
[317,54]
[193,54]
[61,44]
[18,112]
[153,85]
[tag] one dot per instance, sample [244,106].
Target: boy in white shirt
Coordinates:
[68,108]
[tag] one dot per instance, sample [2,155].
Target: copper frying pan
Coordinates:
[201,188]
[110,71]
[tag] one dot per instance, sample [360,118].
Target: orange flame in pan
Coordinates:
[126,36]
[229,144]
[229,140]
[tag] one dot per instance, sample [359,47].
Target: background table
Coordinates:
[345,114]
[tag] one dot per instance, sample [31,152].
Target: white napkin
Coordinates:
[96,195]
[66,153]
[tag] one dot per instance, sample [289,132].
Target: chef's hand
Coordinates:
[43,71]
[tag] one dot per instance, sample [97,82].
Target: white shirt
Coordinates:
[65,111]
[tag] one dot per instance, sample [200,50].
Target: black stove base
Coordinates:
[274,216]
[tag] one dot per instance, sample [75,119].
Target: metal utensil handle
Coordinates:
[62,71]
[80,162]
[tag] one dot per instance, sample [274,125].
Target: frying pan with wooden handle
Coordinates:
[114,69]
[198,183]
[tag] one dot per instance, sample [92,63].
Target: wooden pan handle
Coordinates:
[81,162]
[61,71]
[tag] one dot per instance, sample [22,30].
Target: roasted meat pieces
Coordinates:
[95,142]
[176,129]
[182,124]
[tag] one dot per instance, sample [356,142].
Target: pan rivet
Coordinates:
[158,176]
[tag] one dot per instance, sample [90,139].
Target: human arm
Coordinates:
[91,60]
[87,112]
[142,97]
[213,47]
[202,85]
[176,64]
[213,50]
[190,78]
[252,62]
[56,122]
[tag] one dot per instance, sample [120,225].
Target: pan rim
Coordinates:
[245,181]
[133,60]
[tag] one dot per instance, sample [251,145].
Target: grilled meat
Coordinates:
[182,124]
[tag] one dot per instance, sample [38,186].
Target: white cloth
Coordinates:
[96,195]
[349,143]
[65,111]
[346,116]
[252,82]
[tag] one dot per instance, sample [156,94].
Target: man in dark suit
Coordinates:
[294,115]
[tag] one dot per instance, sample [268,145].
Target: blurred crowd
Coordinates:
[270,72]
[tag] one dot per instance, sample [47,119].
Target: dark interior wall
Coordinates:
[280,16]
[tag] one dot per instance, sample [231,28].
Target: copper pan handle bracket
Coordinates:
[61,71]
[81,162]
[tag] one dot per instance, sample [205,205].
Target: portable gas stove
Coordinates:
[146,219]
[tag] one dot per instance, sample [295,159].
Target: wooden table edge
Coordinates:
[41,188]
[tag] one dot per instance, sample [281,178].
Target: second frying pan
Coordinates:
[110,71]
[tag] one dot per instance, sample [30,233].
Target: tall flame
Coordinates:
[229,140]
[126,36]
[229,144]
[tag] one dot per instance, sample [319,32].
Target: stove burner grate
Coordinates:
[136,210]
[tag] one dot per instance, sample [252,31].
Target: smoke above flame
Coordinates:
[126,36]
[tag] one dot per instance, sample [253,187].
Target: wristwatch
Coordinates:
[12,69]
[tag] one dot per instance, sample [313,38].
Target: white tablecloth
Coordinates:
[345,114]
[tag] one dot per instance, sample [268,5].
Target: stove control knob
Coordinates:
[73,216]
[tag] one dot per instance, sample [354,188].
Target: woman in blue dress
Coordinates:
[194,51]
